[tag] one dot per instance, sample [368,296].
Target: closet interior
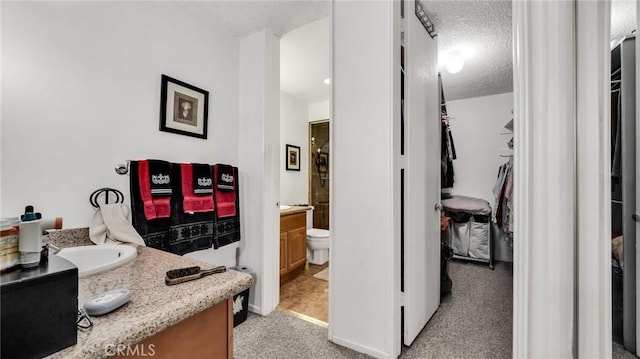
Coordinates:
[452,214]
[472,226]
[623,192]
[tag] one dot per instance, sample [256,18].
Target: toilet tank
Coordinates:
[310,218]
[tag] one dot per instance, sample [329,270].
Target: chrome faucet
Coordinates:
[53,249]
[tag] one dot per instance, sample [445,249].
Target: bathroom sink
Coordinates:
[98,258]
[284,206]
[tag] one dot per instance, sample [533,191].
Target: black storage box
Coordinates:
[241,300]
[39,309]
[240,307]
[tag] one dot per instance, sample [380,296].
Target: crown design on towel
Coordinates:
[204,181]
[160,179]
[227,177]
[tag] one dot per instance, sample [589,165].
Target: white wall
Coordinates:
[319,111]
[294,130]
[477,127]
[364,271]
[259,154]
[81,93]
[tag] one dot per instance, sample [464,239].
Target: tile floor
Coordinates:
[307,295]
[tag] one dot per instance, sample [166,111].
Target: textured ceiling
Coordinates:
[304,62]
[481,31]
[242,18]
[623,17]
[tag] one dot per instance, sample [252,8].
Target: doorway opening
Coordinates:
[475,126]
[304,180]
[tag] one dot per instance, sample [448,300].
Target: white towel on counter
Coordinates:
[110,225]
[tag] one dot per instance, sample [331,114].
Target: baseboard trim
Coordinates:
[305,318]
[361,348]
[255,309]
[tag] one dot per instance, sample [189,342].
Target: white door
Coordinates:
[421,221]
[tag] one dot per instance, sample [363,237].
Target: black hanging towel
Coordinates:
[180,233]
[202,179]
[227,224]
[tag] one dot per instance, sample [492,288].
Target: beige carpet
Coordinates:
[473,322]
[323,275]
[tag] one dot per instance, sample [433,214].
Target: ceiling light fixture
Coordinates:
[455,62]
[327,81]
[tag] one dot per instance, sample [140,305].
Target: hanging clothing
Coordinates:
[503,193]
[616,136]
[447,155]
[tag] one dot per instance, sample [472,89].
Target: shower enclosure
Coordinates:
[319,172]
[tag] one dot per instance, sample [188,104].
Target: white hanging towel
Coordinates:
[110,225]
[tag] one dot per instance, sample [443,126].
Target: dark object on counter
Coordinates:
[177,276]
[39,309]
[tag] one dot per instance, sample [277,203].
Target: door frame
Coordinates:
[585,44]
[593,247]
[545,179]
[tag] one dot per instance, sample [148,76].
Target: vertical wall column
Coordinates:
[593,184]
[258,141]
[365,271]
[545,131]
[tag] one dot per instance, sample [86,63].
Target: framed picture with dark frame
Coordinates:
[183,108]
[292,158]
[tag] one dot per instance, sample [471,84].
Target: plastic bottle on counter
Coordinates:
[30,236]
[30,244]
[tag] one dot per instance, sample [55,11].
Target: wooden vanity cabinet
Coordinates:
[293,245]
[208,334]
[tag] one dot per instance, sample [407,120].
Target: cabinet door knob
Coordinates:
[438,207]
[636,217]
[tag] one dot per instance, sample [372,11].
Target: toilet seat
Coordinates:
[317,233]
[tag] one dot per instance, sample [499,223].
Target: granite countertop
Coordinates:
[294,210]
[154,306]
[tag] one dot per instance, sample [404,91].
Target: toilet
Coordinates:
[317,246]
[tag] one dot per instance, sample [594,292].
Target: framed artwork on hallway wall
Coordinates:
[183,108]
[292,158]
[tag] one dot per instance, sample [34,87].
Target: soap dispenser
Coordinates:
[30,238]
